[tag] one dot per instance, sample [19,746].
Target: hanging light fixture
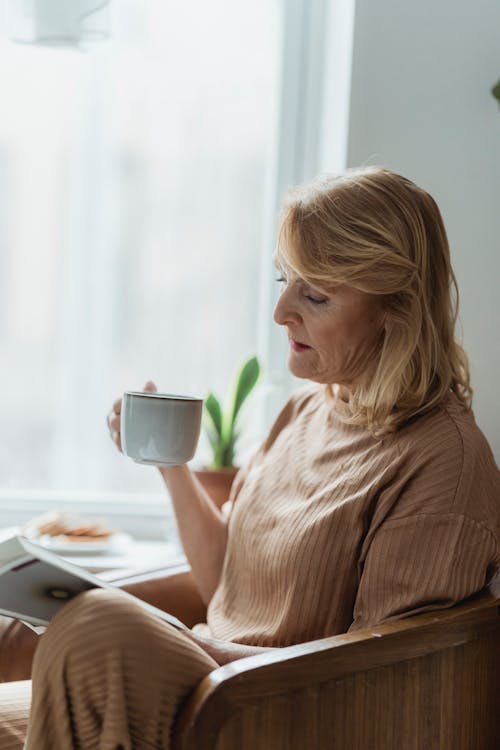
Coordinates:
[59,23]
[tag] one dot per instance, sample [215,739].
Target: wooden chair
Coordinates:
[429,682]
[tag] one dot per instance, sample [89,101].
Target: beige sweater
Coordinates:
[333,529]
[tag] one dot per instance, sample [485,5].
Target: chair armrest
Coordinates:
[249,682]
[172,590]
[150,575]
[17,646]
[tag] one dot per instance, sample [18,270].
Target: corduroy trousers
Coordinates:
[107,675]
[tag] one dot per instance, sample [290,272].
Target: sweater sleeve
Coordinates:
[423,562]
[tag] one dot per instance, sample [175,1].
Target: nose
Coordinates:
[285,312]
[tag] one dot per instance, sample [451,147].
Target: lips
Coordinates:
[297,346]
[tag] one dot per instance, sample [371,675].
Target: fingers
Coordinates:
[114,431]
[113,420]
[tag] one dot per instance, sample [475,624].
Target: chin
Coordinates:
[296,370]
[304,373]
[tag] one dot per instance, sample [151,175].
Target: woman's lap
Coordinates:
[105,673]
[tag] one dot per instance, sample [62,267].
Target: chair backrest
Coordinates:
[429,682]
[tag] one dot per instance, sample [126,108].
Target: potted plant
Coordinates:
[222,427]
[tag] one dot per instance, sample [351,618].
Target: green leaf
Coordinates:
[214,412]
[213,437]
[245,383]
[219,425]
[219,453]
[496,91]
[227,455]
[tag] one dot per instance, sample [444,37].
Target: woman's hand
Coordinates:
[224,652]
[114,417]
[202,527]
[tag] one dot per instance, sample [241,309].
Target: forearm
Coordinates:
[202,527]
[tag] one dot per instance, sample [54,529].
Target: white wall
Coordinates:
[420,104]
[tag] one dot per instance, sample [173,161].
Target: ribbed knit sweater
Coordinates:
[332,529]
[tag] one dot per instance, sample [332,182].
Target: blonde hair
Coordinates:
[378,232]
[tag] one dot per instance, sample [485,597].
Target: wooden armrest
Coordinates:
[149,575]
[173,591]
[17,646]
[250,682]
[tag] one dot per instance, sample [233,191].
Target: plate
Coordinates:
[116,543]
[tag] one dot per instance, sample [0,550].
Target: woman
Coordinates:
[374,496]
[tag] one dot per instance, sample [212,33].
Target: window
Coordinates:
[133,182]
[139,188]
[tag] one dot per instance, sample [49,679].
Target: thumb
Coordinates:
[150,387]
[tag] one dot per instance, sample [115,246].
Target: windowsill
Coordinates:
[147,517]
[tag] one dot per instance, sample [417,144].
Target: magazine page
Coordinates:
[35,585]
[35,591]
[10,549]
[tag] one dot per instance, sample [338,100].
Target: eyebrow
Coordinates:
[300,281]
[316,289]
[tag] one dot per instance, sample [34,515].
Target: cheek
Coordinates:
[334,332]
[346,334]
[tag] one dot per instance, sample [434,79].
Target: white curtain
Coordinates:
[133,183]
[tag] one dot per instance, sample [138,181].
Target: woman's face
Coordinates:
[332,335]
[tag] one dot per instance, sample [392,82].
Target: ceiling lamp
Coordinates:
[59,23]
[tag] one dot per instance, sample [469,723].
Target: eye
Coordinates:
[316,300]
[315,297]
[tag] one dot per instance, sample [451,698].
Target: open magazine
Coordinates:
[35,583]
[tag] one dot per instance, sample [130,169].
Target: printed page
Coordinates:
[35,590]
[35,586]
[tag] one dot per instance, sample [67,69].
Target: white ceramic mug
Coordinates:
[161,429]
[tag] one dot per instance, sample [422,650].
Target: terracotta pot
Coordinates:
[217,482]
